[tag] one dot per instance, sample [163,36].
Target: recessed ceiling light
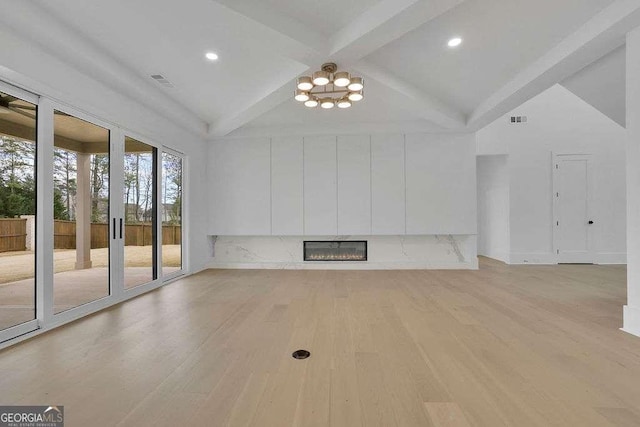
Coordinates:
[455,42]
[211,56]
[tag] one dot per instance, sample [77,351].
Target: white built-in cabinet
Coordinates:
[354,185]
[343,185]
[241,187]
[287,186]
[320,186]
[387,185]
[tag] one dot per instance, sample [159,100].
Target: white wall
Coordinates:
[420,184]
[493,207]
[632,309]
[603,84]
[440,173]
[560,122]
[25,64]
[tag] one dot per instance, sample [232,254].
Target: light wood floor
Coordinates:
[503,346]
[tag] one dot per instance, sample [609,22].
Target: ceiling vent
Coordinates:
[516,120]
[160,79]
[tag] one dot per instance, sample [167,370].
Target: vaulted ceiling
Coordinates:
[512,50]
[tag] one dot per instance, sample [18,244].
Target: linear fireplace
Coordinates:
[348,250]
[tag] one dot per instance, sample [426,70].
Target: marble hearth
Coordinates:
[383,252]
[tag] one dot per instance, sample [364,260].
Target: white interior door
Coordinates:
[573,231]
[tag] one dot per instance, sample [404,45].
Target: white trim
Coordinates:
[611,258]
[15,331]
[81,311]
[549,258]
[545,258]
[44,213]
[145,287]
[159,209]
[19,93]
[116,211]
[80,114]
[631,316]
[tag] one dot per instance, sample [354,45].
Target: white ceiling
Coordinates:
[500,39]
[603,85]
[510,50]
[325,17]
[167,38]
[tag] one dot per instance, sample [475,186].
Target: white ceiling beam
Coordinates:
[385,22]
[299,42]
[421,103]
[599,36]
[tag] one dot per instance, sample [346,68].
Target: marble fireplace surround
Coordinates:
[384,252]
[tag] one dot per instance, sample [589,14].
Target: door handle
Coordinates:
[590,222]
[120,228]
[114,229]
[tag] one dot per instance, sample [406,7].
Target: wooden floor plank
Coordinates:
[501,346]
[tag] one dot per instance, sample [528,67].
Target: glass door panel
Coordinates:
[81,212]
[140,248]
[17,211]
[172,172]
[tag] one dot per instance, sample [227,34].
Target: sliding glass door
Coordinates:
[140,213]
[18,178]
[89,215]
[81,178]
[172,204]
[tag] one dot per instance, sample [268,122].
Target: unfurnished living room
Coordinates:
[320,213]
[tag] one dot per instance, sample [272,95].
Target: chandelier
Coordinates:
[329,87]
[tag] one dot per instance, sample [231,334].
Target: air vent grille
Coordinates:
[162,80]
[516,120]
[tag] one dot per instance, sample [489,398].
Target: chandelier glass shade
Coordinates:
[328,88]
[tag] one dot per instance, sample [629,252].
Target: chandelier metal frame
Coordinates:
[329,87]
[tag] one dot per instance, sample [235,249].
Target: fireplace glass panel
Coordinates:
[335,251]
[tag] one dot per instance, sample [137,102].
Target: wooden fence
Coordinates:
[134,235]
[64,234]
[13,234]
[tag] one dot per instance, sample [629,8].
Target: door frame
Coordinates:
[556,159]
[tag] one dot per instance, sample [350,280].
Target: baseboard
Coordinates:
[517,258]
[550,258]
[611,258]
[500,256]
[631,322]
[472,265]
